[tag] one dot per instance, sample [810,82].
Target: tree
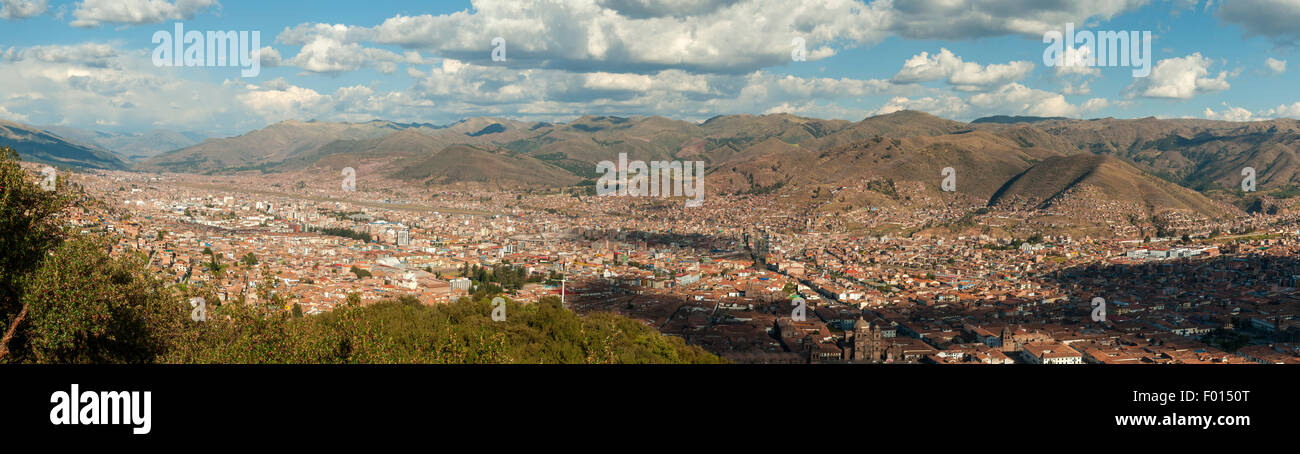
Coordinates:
[249,259]
[29,226]
[85,306]
[361,274]
[214,265]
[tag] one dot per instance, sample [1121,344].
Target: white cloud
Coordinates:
[1283,111]
[819,110]
[1179,78]
[678,58]
[1077,67]
[946,105]
[1275,65]
[92,13]
[280,101]
[98,55]
[21,9]
[1229,113]
[325,50]
[97,84]
[965,76]
[5,114]
[270,57]
[721,36]
[1016,99]
[586,36]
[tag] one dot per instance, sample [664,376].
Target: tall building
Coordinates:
[868,342]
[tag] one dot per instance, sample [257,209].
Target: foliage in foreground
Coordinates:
[404,331]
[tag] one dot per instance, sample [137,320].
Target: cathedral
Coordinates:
[869,344]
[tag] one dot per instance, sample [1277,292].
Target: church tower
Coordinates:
[868,342]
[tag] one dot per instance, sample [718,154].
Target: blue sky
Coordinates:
[88,63]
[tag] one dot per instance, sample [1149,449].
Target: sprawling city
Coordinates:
[877,285]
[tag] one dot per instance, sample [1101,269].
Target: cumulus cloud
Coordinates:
[678,58]
[1275,65]
[1284,111]
[963,75]
[5,114]
[270,57]
[1229,113]
[277,100]
[721,36]
[468,89]
[93,13]
[326,49]
[97,55]
[587,35]
[946,105]
[1179,78]
[95,83]
[21,9]
[1016,99]
[1077,67]
[1276,19]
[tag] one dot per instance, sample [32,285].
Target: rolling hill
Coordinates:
[132,147]
[1101,184]
[38,145]
[1042,162]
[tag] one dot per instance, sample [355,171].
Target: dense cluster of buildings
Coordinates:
[752,278]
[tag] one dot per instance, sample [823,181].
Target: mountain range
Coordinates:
[132,147]
[38,145]
[1146,165]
